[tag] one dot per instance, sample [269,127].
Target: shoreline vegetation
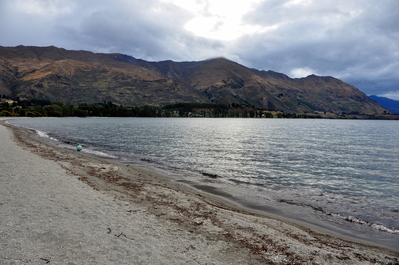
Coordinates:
[46,108]
[62,206]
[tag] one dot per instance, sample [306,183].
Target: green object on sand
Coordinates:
[79,148]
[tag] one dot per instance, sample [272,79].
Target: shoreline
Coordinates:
[255,238]
[305,214]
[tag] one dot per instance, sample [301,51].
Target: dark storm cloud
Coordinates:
[356,41]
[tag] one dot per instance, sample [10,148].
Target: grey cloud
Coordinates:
[380,86]
[351,40]
[138,29]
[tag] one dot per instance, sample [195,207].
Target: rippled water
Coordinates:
[347,169]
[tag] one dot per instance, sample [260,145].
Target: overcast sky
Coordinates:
[354,40]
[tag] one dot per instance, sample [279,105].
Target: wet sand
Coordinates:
[62,207]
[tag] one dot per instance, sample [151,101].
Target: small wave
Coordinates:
[380,227]
[242,182]
[93,152]
[237,181]
[98,153]
[45,135]
[351,219]
[38,132]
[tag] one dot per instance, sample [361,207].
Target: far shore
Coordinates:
[63,207]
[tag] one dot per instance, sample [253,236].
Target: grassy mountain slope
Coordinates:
[80,76]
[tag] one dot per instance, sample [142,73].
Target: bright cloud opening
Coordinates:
[219,19]
[301,72]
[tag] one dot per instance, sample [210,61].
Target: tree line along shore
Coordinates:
[46,108]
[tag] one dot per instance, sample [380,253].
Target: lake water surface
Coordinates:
[341,175]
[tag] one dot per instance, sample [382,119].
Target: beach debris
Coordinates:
[198,223]
[122,234]
[79,148]
[46,260]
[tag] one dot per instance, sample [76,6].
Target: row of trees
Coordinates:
[45,108]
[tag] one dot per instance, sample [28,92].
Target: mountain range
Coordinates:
[74,77]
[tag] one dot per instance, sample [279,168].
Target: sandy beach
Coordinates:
[62,207]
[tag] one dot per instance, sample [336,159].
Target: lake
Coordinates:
[341,175]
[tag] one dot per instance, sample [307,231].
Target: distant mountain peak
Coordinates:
[391,104]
